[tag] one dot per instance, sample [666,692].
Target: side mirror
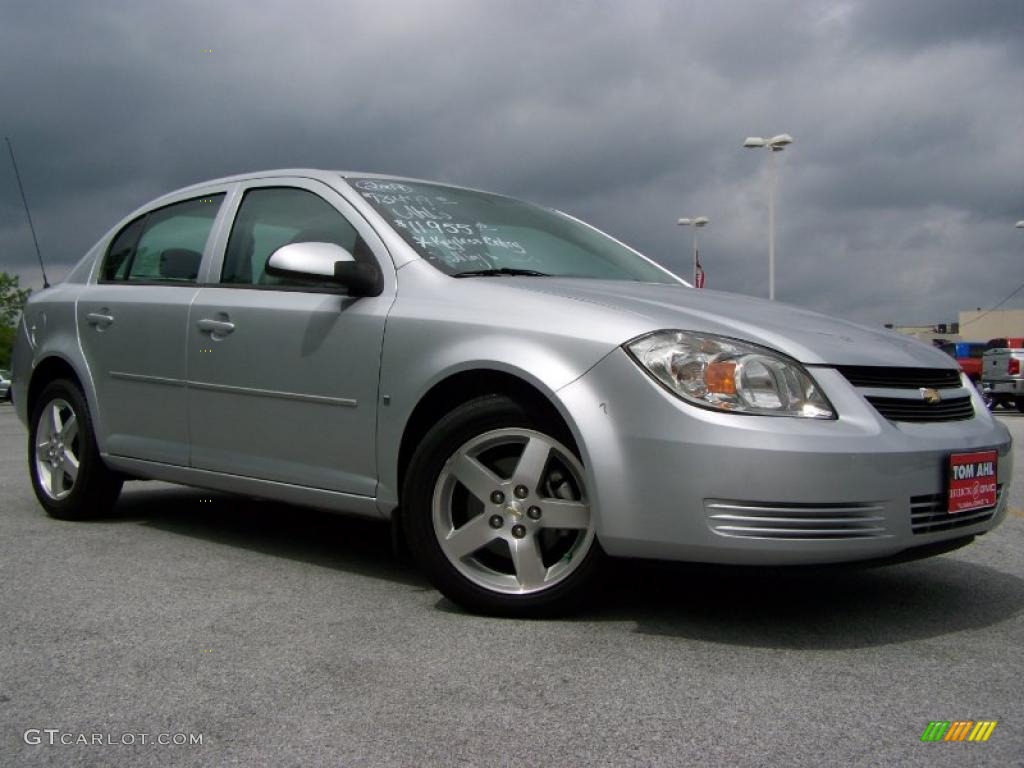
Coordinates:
[325,262]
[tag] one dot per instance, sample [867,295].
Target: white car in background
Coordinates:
[5,385]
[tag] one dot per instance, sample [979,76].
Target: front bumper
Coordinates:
[678,482]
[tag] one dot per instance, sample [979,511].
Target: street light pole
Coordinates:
[696,223]
[773,145]
[771,226]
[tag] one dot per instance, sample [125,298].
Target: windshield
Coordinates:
[462,232]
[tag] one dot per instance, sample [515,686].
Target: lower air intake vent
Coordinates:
[901,409]
[928,513]
[795,522]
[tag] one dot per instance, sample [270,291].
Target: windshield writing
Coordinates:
[459,230]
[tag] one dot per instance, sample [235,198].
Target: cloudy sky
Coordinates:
[896,202]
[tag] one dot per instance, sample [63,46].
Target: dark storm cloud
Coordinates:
[911,25]
[896,203]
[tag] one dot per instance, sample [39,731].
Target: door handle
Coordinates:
[215,327]
[100,319]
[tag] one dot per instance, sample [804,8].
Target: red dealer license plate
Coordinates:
[972,481]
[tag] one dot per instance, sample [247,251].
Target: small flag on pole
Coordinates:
[700,270]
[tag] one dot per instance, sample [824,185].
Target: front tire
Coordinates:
[69,477]
[496,511]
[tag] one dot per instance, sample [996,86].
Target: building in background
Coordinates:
[929,334]
[982,325]
[974,325]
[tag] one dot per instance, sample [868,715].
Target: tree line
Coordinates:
[12,300]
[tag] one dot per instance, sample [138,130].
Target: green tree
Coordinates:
[6,343]
[12,299]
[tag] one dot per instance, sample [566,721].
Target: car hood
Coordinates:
[810,337]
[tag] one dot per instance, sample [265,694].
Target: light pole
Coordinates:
[774,144]
[696,223]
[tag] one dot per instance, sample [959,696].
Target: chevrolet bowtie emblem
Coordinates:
[930,396]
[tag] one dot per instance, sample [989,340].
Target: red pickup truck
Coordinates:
[968,354]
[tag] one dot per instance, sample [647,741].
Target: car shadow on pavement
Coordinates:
[802,608]
[312,536]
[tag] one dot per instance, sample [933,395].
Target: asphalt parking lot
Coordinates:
[292,637]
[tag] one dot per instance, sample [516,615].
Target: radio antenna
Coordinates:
[24,201]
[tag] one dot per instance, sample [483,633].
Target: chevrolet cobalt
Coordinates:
[522,395]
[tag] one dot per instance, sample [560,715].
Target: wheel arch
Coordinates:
[463,385]
[51,367]
[48,347]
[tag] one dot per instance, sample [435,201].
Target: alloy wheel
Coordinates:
[57,449]
[510,511]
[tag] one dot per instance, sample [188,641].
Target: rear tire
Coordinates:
[496,512]
[69,477]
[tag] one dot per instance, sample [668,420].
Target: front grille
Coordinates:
[956,407]
[928,513]
[904,409]
[794,521]
[870,376]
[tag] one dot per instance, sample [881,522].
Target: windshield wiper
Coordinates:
[501,271]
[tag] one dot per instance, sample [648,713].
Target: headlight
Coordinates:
[730,375]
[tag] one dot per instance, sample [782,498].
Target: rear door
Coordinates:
[283,376]
[132,326]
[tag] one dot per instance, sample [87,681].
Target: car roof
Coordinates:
[314,173]
[320,174]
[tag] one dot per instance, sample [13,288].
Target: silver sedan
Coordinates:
[520,394]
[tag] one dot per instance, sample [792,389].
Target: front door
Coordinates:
[283,376]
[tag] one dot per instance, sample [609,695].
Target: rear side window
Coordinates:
[163,246]
[119,257]
[270,217]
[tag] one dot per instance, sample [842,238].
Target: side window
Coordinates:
[119,256]
[270,217]
[165,245]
